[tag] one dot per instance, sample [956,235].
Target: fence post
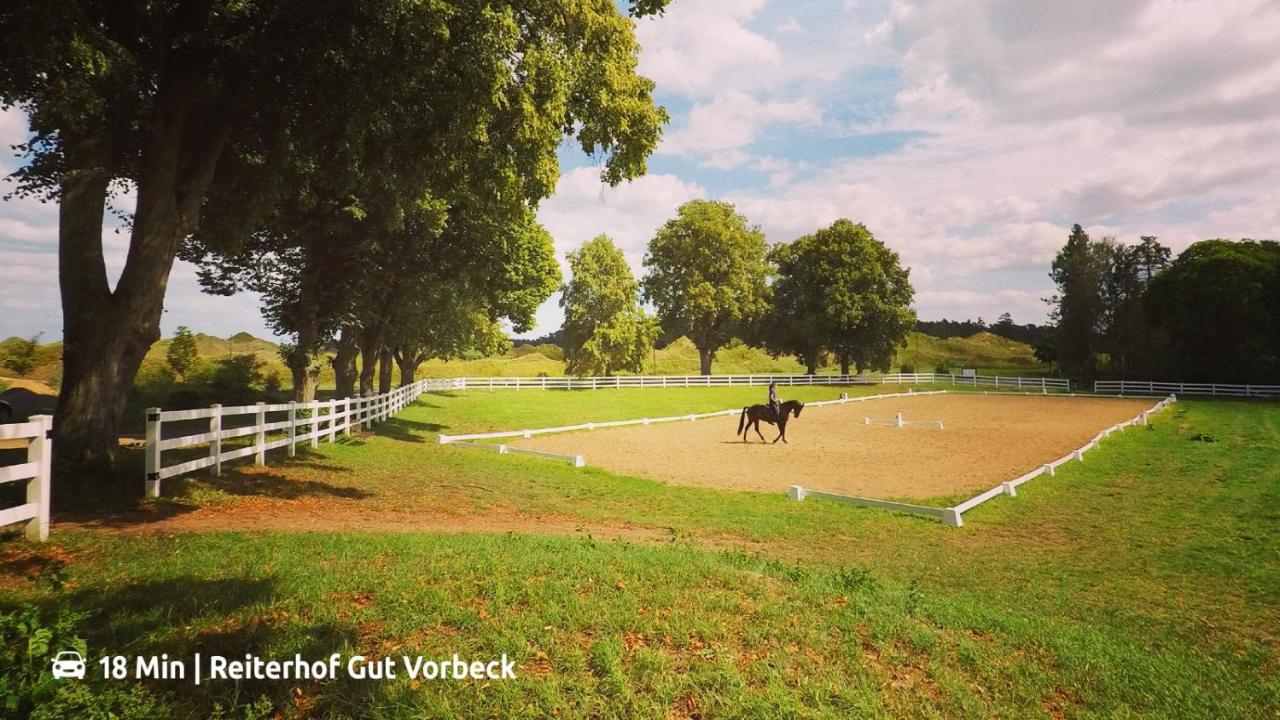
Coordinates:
[153,452]
[314,408]
[40,452]
[260,438]
[333,411]
[359,416]
[346,417]
[293,427]
[215,444]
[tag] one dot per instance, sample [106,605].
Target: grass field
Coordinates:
[1144,582]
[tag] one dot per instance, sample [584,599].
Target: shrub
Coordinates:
[907,368]
[21,354]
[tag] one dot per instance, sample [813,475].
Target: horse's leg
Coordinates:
[757,427]
[782,432]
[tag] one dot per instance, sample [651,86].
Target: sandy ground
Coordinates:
[987,439]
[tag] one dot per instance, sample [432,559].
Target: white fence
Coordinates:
[690,417]
[1147,387]
[953,516]
[34,436]
[677,381]
[299,422]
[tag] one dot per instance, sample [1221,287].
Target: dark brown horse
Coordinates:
[753,414]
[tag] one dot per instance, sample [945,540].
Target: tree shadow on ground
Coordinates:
[281,487]
[406,430]
[229,616]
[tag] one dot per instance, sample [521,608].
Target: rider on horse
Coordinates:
[774,403]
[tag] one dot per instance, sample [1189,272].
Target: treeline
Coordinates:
[1130,311]
[1005,327]
[838,293]
[376,186]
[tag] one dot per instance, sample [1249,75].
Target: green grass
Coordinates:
[1144,582]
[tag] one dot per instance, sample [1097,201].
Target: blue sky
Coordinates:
[967,136]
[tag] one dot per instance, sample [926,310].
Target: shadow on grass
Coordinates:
[186,614]
[281,487]
[406,430]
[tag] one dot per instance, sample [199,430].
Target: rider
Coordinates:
[774,404]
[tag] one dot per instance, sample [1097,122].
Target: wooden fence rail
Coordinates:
[34,436]
[678,381]
[270,426]
[1148,387]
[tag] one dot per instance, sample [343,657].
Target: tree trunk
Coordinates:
[384,371]
[844,364]
[304,368]
[810,365]
[344,363]
[368,365]
[408,362]
[107,332]
[705,356]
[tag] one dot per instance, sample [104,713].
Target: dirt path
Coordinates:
[987,439]
[256,515]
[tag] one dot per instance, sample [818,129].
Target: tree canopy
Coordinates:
[605,330]
[707,276]
[302,129]
[840,291]
[1218,304]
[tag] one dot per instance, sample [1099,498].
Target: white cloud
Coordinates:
[631,213]
[718,130]
[697,45]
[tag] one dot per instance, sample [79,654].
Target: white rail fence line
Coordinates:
[898,421]
[308,422]
[678,381]
[34,435]
[953,516]
[691,417]
[1147,387]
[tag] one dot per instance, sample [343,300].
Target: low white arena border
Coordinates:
[580,461]
[897,421]
[953,516]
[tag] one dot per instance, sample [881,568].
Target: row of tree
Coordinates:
[712,277]
[1130,311]
[371,168]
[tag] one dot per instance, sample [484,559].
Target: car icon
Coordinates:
[68,664]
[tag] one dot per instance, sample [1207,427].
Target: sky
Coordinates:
[966,136]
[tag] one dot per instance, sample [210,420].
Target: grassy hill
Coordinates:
[989,353]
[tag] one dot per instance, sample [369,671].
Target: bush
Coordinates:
[20,355]
[907,369]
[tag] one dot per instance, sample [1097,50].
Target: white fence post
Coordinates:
[346,416]
[260,438]
[215,443]
[333,411]
[153,452]
[293,427]
[40,452]
[314,408]
[358,417]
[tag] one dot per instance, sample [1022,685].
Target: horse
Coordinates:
[753,414]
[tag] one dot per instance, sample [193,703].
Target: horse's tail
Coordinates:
[742,420]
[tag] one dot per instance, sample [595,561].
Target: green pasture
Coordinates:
[1142,583]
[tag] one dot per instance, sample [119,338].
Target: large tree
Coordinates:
[410,220]
[182,99]
[1219,305]
[605,330]
[841,290]
[708,276]
[1077,306]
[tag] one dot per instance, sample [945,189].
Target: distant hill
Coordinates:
[983,350]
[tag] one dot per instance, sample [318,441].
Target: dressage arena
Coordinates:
[985,440]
